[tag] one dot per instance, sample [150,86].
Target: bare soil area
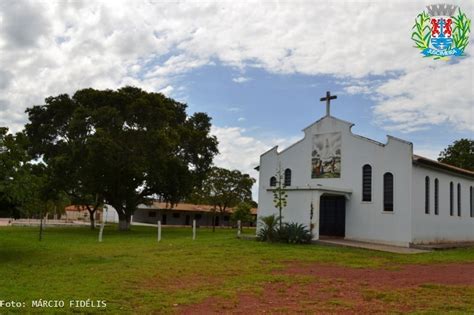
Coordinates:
[323,289]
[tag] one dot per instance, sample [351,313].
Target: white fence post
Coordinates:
[101,232]
[239,227]
[194,230]
[104,216]
[159,231]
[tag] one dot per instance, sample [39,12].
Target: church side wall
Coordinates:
[431,228]
[368,220]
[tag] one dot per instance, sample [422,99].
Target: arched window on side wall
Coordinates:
[273,181]
[459,199]
[427,195]
[436,197]
[367,183]
[388,192]
[451,199]
[287,177]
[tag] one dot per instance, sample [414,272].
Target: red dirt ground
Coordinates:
[340,290]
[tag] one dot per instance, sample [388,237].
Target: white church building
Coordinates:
[340,184]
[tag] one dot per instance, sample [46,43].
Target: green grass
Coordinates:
[134,273]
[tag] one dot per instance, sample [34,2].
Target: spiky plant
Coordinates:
[295,233]
[267,230]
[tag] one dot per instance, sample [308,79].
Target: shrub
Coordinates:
[267,230]
[294,233]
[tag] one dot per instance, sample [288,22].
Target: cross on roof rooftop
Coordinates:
[328,99]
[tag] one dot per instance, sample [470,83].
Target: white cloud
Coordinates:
[242,152]
[167,90]
[241,119]
[55,47]
[429,97]
[241,79]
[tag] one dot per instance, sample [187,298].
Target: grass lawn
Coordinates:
[135,274]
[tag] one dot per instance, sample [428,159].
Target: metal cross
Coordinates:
[328,99]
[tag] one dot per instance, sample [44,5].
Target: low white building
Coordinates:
[342,184]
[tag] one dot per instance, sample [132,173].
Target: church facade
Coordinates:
[340,184]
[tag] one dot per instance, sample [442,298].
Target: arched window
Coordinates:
[388,192]
[287,177]
[471,201]
[273,181]
[459,199]
[367,183]
[451,198]
[427,195]
[436,197]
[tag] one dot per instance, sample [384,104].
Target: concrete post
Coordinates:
[194,230]
[101,232]
[159,231]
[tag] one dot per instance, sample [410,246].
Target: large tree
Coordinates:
[460,154]
[121,147]
[224,189]
[14,168]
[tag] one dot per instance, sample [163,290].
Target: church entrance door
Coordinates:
[332,216]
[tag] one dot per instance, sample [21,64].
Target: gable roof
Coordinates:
[417,159]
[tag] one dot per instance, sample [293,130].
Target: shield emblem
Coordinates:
[441,32]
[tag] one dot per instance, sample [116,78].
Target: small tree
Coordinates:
[242,212]
[223,189]
[460,154]
[280,195]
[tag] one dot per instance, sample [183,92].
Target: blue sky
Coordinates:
[258,68]
[270,105]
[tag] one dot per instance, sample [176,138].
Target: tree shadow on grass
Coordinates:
[8,255]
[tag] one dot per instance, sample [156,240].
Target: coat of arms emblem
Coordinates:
[442,31]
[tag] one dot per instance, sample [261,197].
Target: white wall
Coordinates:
[111,216]
[430,228]
[364,220]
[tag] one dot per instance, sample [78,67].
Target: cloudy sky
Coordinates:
[258,68]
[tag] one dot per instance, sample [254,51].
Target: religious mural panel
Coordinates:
[326,155]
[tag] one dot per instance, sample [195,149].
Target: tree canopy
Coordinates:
[224,188]
[14,172]
[460,154]
[122,147]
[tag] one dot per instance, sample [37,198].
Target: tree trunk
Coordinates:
[41,229]
[124,222]
[92,218]
[213,221]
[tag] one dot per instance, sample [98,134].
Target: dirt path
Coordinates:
[324,289]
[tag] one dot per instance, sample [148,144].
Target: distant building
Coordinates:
[79,213]
[180,214]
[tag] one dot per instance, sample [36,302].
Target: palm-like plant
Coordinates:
[297,233]
[268,228]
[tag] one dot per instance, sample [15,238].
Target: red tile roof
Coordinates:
[425,161]
[191,207]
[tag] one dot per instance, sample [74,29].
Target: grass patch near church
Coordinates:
[134,273]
